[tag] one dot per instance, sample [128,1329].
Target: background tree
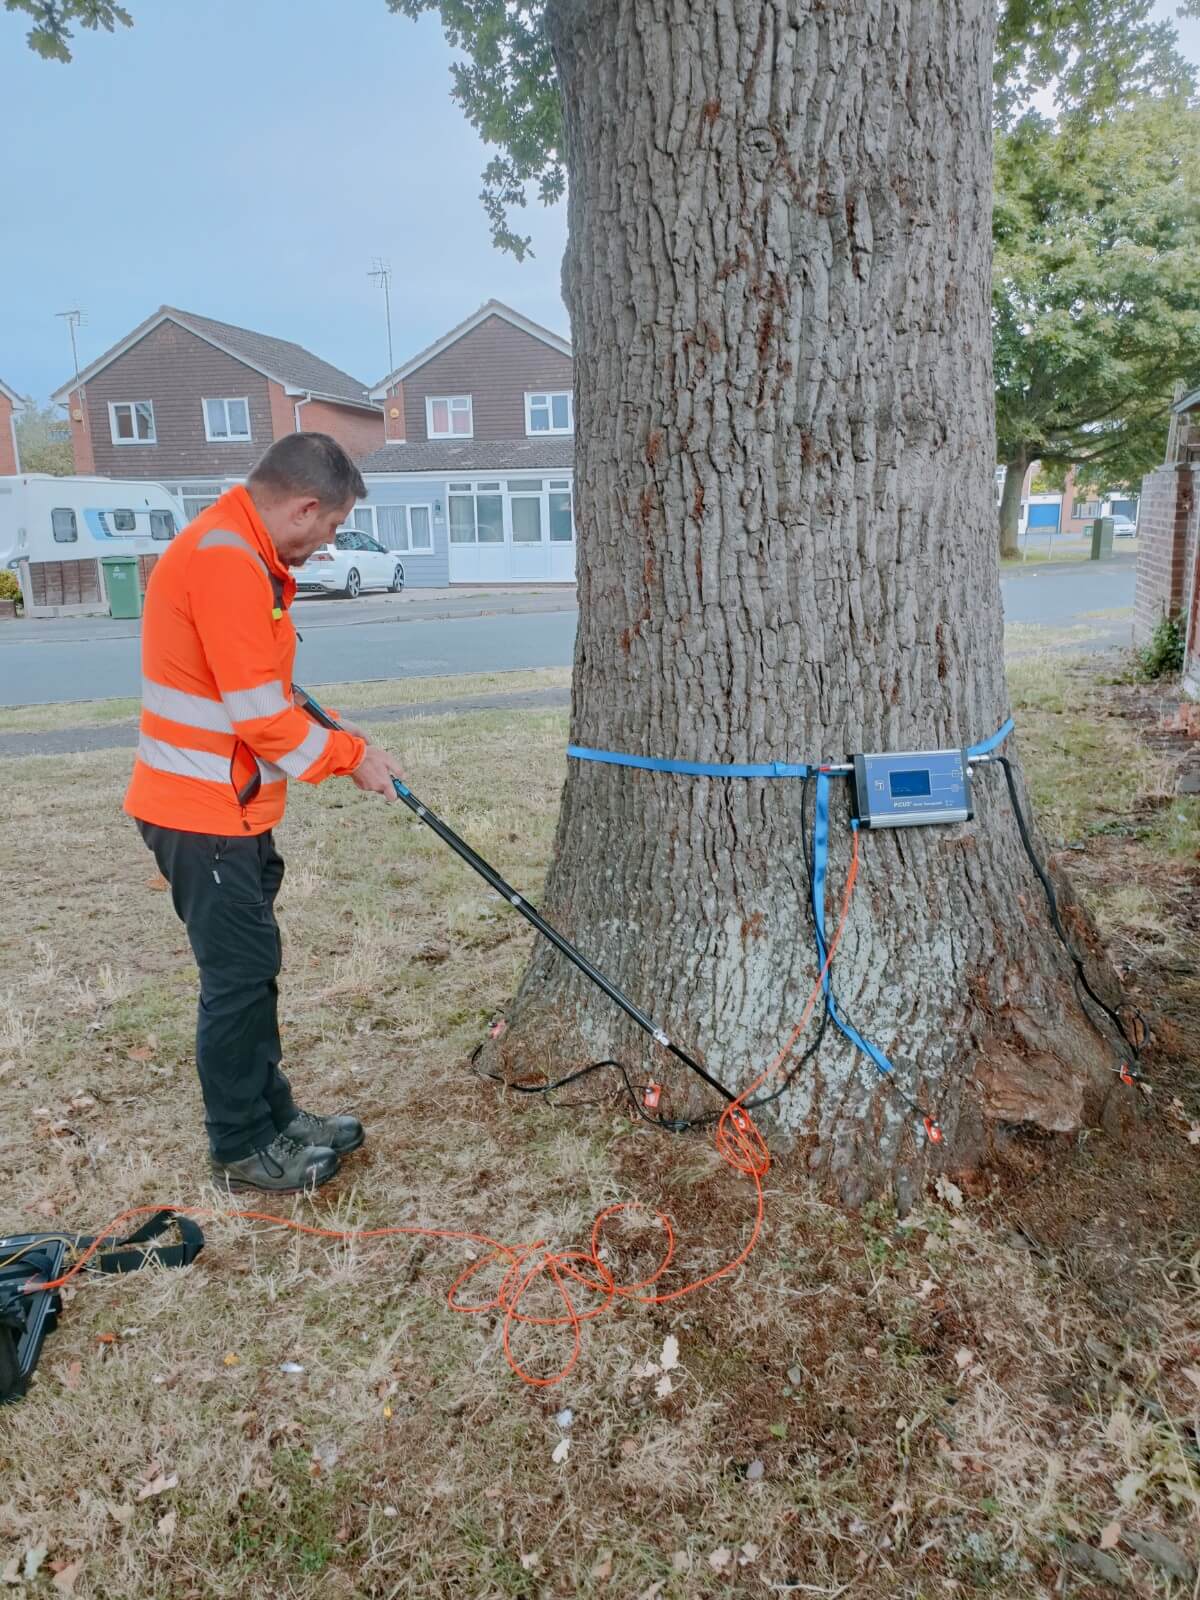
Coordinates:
[778,280]
[54,22]
[1096,291]
[44,440]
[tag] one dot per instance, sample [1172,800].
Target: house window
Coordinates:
[227,421]
[406,528]
[562,524]
[476,513]
[362,520]
[132,421]
[449,417]
[549,413]
[62,521]
[196,497]
[1085,508]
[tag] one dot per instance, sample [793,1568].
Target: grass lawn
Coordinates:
[996,1396]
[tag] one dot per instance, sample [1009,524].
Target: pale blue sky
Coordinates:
[247,160]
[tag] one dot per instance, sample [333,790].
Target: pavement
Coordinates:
[434,633]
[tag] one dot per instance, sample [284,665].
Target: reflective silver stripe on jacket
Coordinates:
[267,700]
[183,763]
[193,710]
[297,762]
[220,538]
[270,773]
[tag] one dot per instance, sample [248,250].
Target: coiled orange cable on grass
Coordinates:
[738,1142]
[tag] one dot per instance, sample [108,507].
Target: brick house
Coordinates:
[1080,508]
[473,483]
[193,403]
[1169,533]
[10,402]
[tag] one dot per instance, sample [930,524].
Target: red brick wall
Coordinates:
[393,426]
[1167,544]
[495,364]
[8,454]
[81,436]
[358,432]
[283,412]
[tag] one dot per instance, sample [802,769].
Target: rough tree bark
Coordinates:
[778,283]
[1010,506]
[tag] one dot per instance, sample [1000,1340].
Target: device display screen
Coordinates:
[910,785]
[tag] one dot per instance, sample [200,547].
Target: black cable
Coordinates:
[1081,977]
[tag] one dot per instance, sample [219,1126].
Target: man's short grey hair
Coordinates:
[308,464]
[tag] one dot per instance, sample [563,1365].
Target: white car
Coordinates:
[352,563]
[1124,528]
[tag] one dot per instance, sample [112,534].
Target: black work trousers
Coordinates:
[223,890]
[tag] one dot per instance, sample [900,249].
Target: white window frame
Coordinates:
[226,401]
[450,401]
[131,406]
[408,507]
[549,396]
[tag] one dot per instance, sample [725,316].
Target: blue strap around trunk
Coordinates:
[742,769]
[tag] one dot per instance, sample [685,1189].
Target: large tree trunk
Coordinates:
[778,283]
[1010,506]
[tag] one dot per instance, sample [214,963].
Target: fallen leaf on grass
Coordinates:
[755,1471]
[950,1193]
[963,1358]
[34,1557]
[159,1484]
[720,1559]
[121,1514]
[670,1353]
[532,1561]
[664,1386]
[603,1567]
[629,1447]
[560,1452]
[12,1570]
[141,1052]
[1111,1537]
[747,1554]
[72,1375]
[64,1578]
[156,882]
[231,1359]
[778,1430]
[166,1525]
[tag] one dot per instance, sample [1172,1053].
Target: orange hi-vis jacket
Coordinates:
[220,735]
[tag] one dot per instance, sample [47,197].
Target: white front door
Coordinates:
[529,559]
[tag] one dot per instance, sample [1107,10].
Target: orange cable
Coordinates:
[738,1142]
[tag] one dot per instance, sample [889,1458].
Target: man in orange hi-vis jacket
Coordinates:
[219,739]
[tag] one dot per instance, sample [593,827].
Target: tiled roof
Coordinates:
[474,455]
[290,363]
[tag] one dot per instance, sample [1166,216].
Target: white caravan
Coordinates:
[43,518]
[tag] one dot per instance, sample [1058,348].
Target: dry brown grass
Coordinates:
[871,1409]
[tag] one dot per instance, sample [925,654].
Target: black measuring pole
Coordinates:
[531,914]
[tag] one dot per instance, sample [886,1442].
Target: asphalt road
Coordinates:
[98,658]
